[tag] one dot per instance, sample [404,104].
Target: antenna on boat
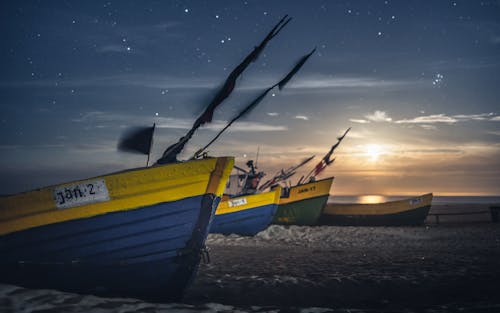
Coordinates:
[257,156]
[150,144]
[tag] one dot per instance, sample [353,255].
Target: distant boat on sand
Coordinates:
[411,211]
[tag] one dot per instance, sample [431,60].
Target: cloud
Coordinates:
[428,127]
[359,121]
[427,121]
[170,82]
[246,126]
[141,80]
[320,81]
[168,122]
[378,116]
[302,117]
[116,48]
[495,40]
[108,117]
[430,119]
[217,125]
[476,117]
[443,118]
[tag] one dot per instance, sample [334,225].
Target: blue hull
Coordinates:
[246,222]
[151,252]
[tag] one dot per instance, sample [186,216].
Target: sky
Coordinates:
[417,81]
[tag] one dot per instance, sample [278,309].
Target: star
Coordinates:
[438,80]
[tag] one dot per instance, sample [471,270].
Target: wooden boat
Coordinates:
[246,215]
[302,204]
[412,211]
[137,233]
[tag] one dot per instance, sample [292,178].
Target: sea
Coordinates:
[436,200]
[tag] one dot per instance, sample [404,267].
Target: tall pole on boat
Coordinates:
[257,156]
[150,144]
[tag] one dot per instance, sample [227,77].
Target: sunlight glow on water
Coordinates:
[371,199]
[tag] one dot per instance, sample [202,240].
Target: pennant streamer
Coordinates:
[257,100]
[284,174]
[325,161]
[170,154]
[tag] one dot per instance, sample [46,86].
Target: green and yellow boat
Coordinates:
[302,204]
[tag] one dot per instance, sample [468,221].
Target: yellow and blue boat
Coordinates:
[411,211]
[246,215]
[137,233]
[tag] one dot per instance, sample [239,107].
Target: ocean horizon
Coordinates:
[436,199]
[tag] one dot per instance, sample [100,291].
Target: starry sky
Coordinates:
[418,82]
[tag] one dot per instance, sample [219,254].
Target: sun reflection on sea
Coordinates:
[371,199]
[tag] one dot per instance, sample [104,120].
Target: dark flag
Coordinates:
[325,161]
[297,67]
[137,140]
[322,165]
[170,154]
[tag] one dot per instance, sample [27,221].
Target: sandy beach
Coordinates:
[450,267]
[348,267]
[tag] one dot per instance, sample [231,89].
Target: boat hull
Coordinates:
[151,251]
[246,215]
[408,212]
[304,203]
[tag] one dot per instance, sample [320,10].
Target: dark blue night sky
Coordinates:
[416,80]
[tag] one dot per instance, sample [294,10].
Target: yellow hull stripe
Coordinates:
[249,202]
[128,190]
[378,208]
[307,191]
